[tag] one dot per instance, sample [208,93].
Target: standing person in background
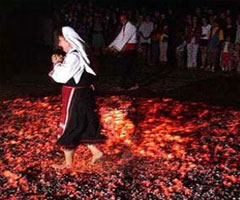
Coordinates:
[155,44]
[236,57]
[214,45]
[140,19]
[221,19]
[226,55]
[206,29]
[163,41]
[125,45]
[228,30]
[180,43]
[237,39]
[193,34]
[144,32]
[79,122]
[180,49]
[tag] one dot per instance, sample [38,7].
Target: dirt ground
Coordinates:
[220,88]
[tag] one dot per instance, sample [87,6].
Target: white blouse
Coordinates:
[71,67]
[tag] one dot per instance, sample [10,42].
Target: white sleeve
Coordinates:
[117,40]
[63,72]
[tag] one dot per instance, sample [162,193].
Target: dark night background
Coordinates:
[20,29]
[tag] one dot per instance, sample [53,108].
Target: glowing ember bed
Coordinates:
[156,149]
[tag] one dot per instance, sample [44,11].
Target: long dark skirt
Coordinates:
[79,119]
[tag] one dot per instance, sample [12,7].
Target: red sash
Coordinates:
[130,46]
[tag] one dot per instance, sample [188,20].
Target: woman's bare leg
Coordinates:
[68,163]
[68,157]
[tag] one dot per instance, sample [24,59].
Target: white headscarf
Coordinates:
[77,43]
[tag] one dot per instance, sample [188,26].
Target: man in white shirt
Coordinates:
[144,32]
[125,45]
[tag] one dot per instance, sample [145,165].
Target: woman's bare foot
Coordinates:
[96,157]
[61,166]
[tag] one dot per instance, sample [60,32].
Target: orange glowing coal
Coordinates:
[161,141]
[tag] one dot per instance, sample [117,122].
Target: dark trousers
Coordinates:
[155,51]
[128,61]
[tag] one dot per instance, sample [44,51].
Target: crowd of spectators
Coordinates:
[203,38]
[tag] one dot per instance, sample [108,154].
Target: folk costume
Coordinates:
[79,121]
[126,43]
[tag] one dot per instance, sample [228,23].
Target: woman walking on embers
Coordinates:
[79,122]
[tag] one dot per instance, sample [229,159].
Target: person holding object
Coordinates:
[79,121]
[125,45]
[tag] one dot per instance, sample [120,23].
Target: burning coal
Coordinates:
[156,149]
